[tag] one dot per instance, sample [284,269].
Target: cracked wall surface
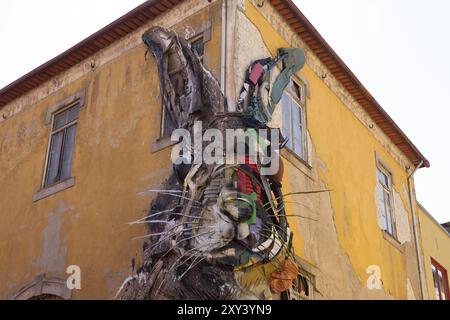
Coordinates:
[435,245]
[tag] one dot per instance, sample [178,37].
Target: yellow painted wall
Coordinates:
[435,244]
[113,165]
[345,163]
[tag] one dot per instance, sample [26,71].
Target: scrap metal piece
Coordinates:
[282,279]
[293,60]
[259,73]
[210,223]
[187,88]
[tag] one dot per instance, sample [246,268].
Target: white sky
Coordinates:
[398,49]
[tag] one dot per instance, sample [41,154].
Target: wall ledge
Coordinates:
[47,192]
[394,242]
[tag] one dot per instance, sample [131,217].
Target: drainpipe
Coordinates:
[223,49]
[417,234]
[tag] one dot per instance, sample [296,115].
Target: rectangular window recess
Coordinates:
[294,126]
[386,205]
[61,145]
[62,119]
[440,281]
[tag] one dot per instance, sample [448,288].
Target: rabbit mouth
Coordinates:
[233,239]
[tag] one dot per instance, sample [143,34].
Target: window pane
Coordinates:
[286,119]
[295,90]
[383,210]
[63,118]
[382,178]
[198,47]
[168,125]
[387,201]
[68,152]
[53,158]
[435,282]
[73,113]
[304,286]
[442,285]
[297,129]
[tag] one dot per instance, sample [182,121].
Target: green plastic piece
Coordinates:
[294,59]
[252,219]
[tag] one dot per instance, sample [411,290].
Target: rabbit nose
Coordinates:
[243,231]
[237,206]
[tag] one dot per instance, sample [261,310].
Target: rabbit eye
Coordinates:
[181,171]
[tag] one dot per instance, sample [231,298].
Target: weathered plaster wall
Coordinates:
[337,237]
[88,220]
[113,165]
[338,234]
[435,244]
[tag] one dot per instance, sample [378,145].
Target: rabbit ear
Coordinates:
[189,91]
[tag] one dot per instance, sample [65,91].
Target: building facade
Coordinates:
[84,140]
[436,248]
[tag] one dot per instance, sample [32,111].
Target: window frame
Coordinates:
[440,268]
[387,189]
[293,292]
[78,98]
[198,37]
[301,101]
[54,132]
[163,134]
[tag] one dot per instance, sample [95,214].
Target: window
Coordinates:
[301,288]
[440,281]
[294,119]
[387,214]
[168,125]
[198,44]
[61,146]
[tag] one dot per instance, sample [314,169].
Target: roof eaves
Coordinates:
[342,72]
[86,48]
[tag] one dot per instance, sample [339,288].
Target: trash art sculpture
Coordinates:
[218,230]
